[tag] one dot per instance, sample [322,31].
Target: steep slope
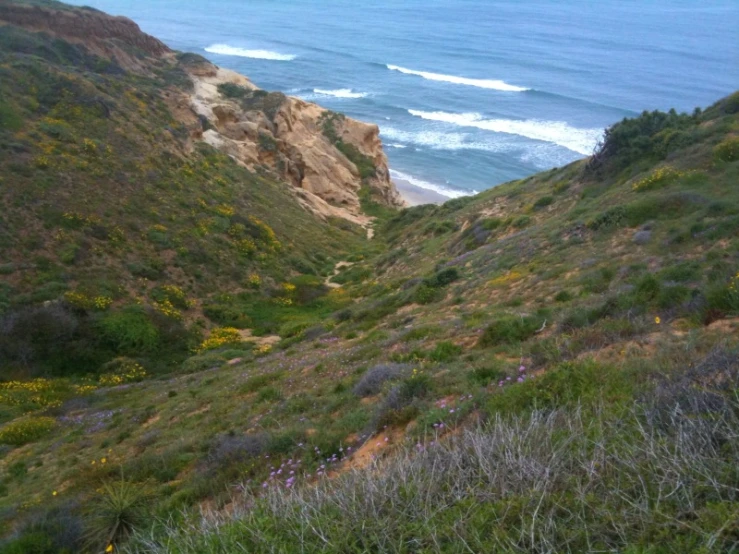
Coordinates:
[559,323]
[549,366]
[116,204]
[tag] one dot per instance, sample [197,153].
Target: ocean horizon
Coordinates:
[468,94]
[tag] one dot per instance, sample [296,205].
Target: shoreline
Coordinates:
[416,196]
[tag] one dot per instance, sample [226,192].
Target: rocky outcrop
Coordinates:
[315,151]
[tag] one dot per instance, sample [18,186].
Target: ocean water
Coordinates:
[467,93]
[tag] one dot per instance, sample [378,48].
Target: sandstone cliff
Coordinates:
[306,145]
[325,157]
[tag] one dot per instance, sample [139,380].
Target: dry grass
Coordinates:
[659,476]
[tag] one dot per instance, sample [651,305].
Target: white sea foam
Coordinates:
[226,50]
[340,93]
[543,155]
[493,84]
[578,140]
[394,145]
[430,139]
[441,189]
[438,140]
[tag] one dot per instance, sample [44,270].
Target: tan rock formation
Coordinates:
[285,135]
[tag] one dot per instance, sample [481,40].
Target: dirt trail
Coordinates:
[337,269]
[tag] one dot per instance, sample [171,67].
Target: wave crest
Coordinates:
[582,141]
[492,84]
[226,50]
[340,93]
[444,191]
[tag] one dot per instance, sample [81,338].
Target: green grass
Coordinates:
[546,361]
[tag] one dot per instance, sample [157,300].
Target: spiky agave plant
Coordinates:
[118,509]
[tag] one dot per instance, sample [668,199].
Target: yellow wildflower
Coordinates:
[657,320]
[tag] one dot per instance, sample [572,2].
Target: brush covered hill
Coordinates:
[123,231]
[549,366]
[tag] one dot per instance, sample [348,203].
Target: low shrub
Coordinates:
[256,382]
[23,431]
[372,381]
[444,277]
[228,450]
[672,297]
[660,177]
[220,337]
[727,151]
[56,530]
[445,352]
[130,330]
[269,394]
[421,332]
[724,299]
[510,330]
[647,289]
[232,90]
[483,376]
[415,386]
[563,296]
[426,294]
[543,202]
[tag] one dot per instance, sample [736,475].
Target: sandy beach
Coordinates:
[415,196]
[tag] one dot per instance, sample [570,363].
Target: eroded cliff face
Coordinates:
[325,158]
[306,145]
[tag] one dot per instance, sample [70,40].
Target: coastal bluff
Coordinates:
[326,158]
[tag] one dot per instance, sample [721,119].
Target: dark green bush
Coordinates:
[228,315]
[672,297]
[130,330]
[613,217]
[521,221]
[650,136]
[426,294]
[647,289]
[568,384]
[415,386]
[681,272]
[491,224]
[483,376]
[563,296]
[10,120]
[443,277]
[445,352]
[232,90]
[724,299]
[543,202]
[510,330]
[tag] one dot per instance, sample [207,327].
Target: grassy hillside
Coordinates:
[549,366]
[119,236]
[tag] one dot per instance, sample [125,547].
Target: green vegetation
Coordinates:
[553,362]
